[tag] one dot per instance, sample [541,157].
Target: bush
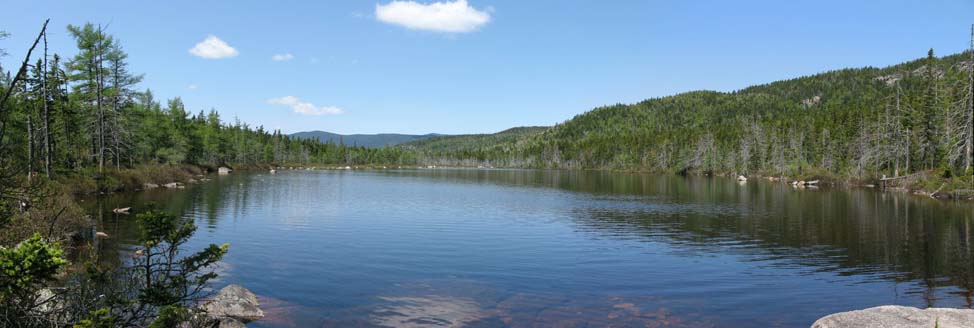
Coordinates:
[25,267]
[24,270]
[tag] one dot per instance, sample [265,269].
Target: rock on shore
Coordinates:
[894,316]
[234,302]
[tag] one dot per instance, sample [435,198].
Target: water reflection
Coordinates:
[850,231]
[572,248]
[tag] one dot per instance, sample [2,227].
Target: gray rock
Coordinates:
[235,302]
[230,323]
[894,316]
[212,322]
[150,186]
[223,170]
[811,102]
[48,301]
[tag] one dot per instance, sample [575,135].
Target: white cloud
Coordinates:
[305,108]
[450,17]
[282,57]
[213,48]
[192,87]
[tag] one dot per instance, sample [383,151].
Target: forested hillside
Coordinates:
[362,140]
[850,123]
[471,149]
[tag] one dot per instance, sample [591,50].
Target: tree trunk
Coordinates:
[969,141]
[30,146]
[46,113]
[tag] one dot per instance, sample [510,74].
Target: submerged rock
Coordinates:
[427,311]
[895,316]
[235,302]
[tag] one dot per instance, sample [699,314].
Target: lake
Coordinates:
[534,248]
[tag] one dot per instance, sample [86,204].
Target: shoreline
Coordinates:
[135,179]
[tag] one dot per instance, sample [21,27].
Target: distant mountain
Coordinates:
[364,140]
[473,142]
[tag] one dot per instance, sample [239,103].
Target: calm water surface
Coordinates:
[497,248]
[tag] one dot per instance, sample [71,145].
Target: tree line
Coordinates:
[85,111]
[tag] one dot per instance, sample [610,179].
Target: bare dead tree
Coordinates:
[30,147]
[100,84]
[969,141]
[45,99]
[13,83]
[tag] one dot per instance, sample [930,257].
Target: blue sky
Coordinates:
[480,65]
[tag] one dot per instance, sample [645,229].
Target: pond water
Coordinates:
[524,248]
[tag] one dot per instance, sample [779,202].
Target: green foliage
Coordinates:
[28,265]
[168,277]
[101,318]
[170,316]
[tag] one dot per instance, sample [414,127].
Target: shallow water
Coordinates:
[522,248]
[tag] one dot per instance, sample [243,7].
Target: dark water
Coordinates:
[490,248]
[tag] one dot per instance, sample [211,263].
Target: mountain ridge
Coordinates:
[378,140]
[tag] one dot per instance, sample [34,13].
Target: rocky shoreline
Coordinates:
[232,307]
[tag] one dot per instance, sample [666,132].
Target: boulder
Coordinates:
[150,186]
[172,185]
[741,178]
[48,302]
[235,302]
[224,170]
[895,316]
[230,323]
[203,320]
